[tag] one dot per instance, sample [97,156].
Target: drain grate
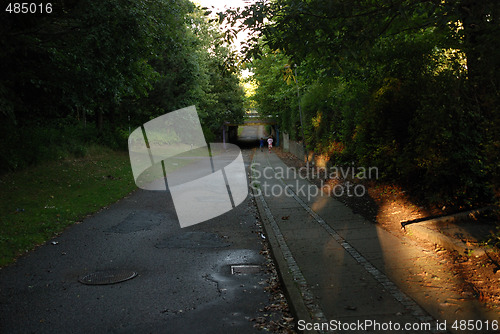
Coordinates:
[240,269]
[107,277]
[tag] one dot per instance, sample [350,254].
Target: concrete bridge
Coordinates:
[251,130]
[254,120]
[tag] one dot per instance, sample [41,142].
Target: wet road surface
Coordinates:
[184,282]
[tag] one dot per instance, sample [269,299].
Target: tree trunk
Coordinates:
[478,18]
[99,119]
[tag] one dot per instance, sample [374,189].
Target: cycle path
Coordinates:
[345,274]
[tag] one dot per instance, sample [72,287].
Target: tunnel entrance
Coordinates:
[248,134]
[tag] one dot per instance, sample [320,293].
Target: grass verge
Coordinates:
[40,202]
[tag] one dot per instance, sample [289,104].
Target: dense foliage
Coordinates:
[91,70]
[408,86]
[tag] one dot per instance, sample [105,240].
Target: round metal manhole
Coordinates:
[107,277]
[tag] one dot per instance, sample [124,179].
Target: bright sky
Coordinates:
[220,5]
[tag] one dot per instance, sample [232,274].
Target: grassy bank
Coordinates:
[39,202]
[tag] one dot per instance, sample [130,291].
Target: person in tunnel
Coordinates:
[270,143]
[261,144]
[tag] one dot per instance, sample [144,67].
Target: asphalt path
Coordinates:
[184,281]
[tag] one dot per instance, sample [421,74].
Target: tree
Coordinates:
[274,95]
[396,84]
[103,63]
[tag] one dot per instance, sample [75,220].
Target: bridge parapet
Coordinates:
[249,121]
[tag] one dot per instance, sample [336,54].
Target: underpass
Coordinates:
[248,134]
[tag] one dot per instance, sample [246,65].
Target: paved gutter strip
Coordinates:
[399,295]
[308,297]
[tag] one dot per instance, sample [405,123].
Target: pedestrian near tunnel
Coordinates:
[261,143]
[270,143]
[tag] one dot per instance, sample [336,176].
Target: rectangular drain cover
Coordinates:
[239,269]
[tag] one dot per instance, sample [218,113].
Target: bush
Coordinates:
[30,144]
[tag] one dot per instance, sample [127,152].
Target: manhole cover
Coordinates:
[244,269]
[107,277]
